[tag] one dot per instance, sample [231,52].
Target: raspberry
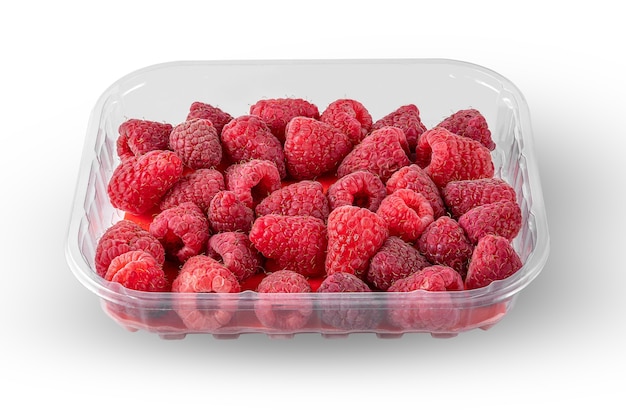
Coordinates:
[200,110]
[313,148]
[462,196]
[302,198]
[183,230]
[236,252]
[274,310]
[253,180]
[248,137]
[284,281]
[277,112]
[407,214]
[138,270]
[431,278]
[444,242]
[349,116]
[415,178]
[343,282]
[125,236]
[355,234]
[406,118]
[448,157]
[197,143]
[139,183]
[396,259]
[503,218]
[227,213]
[493,259]
[469,123]
[137,137]
[359,188]
[294,242]
[199,186]
[382,152]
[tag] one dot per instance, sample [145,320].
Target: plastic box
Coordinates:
[438,87]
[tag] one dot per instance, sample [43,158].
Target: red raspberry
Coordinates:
[236,252]
[407,214]
[414,178]
[493,259]
[355,234]
[406,118]
[200,110]
[343,282]
[183,230]
[302,198]
[276,311]
[199,186]
[137,137]
[277,112]
[462,196]
[444,242]
[448,157]
[382,152]
[253,180]
[469,123]
[284,281]
[248,137]
[125,236]
[138,270]
[294,242]
[197,143]
[503,218]
[139,183]
[227,213]
[359,188]
[431,278]
[349,116]
[396,259]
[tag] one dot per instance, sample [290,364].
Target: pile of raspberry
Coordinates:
[290,199]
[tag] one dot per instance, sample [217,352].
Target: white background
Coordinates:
[560,349]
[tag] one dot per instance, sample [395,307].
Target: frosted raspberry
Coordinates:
[248,137]
[302,198]
[227,213]
[276,311]
[297,243]
[138,270]
[382,152]
[200,110]
[407,214]
[431,278]
[359,188]
[343,282]
[252,181]
[277,112]
[469,123]
[350,116]
[183,230]
[502,218]
[199,187]
[236,252]
[414,178]
[462,196]
[493,259]
[197,143]
[137,137]
[139,183]
[313,148]
[284,281]
[444,242]
[406,118]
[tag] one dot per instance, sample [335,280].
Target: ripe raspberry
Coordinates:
[125,236]
[276,311]
[139,183]
[414,178]
[137,137]
[431,278]
[382,152]
[355,234]
[313,148]
[407,214]
[248,137]
[297,243]
[197,143]
[284,281]
[448,157]
[199,186]
[359,188]
[406,118]
[349,116]
[462,196]
[302,198]
[236,252]
[469,123]
[503,218]
[343,282]
[200,110]
[277,112]
[444,243]
[396,259]
[137,270]
[493,259]
[183,230]
[227,213]
[253,180]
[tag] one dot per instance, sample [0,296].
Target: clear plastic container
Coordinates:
[438,87]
